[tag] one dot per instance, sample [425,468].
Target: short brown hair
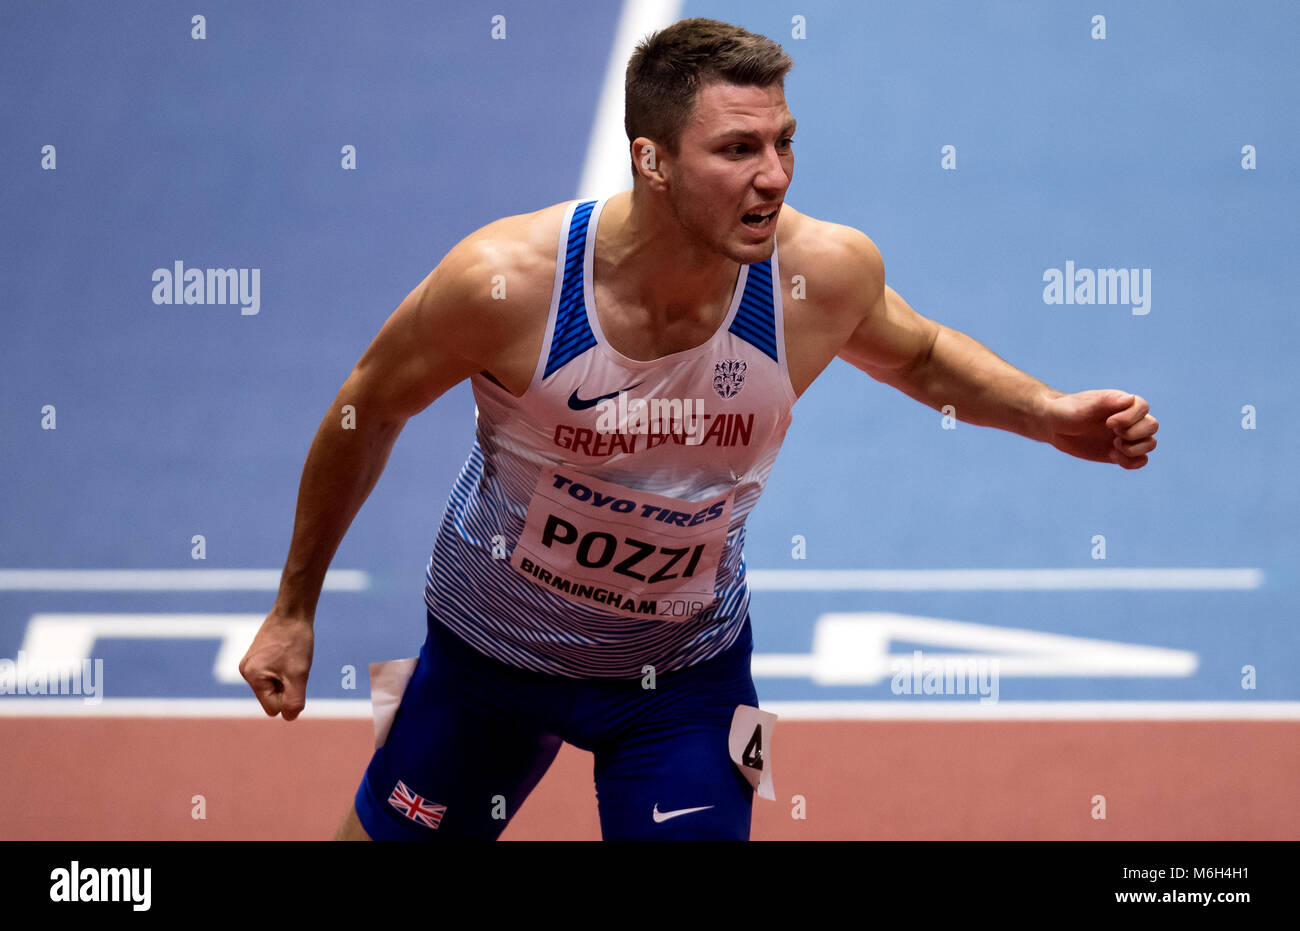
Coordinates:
[669,67]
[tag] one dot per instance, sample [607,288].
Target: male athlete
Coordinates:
[633,388]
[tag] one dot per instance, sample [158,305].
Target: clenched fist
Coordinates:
[277,663]
[1102,426]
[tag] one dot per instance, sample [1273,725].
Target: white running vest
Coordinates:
[598,524]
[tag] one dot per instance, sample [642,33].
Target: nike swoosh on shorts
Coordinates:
[661,816]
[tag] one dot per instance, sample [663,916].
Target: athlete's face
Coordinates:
[734,162]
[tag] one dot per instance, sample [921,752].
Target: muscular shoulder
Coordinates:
[840,265]
[841,276]
[507,264]
[494,289]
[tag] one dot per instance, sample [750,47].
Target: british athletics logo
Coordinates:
[729,377]
[417,809]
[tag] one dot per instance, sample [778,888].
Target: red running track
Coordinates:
[134,779]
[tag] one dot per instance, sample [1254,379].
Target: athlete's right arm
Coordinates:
[438,336]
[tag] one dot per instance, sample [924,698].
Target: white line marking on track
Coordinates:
[166,580]
[853,649]
[356,580]
[319,709]
[972,710]
[607,169]
[61,640]
[966,580]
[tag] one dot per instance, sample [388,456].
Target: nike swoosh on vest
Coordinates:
[578,404]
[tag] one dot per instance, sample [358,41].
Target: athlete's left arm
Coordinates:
[940,366]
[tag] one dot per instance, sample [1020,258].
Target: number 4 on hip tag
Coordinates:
[750,744]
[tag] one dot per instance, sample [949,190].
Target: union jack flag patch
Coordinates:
[417,809]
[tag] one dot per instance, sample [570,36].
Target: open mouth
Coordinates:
[758,221]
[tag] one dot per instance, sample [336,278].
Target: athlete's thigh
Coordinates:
[670,775]
[679,786]
[459,759]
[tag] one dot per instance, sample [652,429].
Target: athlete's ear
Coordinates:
[645,162]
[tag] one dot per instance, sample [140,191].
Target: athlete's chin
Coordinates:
[749,253]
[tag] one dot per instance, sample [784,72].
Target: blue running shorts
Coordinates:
[473,736]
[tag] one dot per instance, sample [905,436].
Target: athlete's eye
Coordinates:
[738,149]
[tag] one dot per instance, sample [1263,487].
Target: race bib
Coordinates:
[630,551]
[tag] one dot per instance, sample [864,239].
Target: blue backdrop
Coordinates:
[1117,152]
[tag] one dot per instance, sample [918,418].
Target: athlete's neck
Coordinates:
[659,267]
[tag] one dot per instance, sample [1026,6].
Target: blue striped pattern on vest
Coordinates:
[755,320]
[572,336]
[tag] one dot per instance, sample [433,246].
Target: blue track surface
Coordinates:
[182,420]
